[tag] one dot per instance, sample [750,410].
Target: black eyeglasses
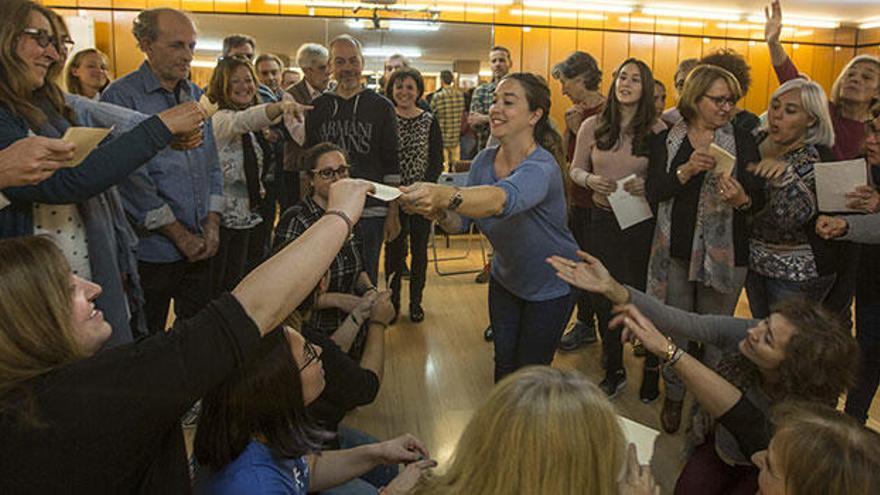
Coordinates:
[722,101]
[329,173]
[311,355]
[44,39]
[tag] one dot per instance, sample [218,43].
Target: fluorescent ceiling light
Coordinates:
[490,2]
[442,7]
[738,26]
[385,51]
[393,25]
[594,7]
[692,13]
[870,23]
[660,22]
[209,45]
[788,20]
[563,15]
[205,64]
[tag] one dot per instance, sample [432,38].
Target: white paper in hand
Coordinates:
[642,436]
[835,179]
[724,161]
[628,209]
[85,139]
[384,192]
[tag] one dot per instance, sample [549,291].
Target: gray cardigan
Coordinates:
[723,332]
[862,228]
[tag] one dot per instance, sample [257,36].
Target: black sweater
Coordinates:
[663,186]
[112,421]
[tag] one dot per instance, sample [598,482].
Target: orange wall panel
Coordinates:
[511,38]
[665,62]
[641,46]
[536,51]
[128,56]
[592,42]
[763,78]
[689,48]
[616,50]
[153,4]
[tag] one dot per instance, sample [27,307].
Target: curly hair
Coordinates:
[734,63]
[818,364]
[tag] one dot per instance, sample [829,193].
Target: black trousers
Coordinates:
[579,224]
[416,230]
[189,284]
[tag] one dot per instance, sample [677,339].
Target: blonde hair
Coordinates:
[822,451]
[542,430]
[698,81]
[73,83]
[815,104]
[36,313]
[837,87]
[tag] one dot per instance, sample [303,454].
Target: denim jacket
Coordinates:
[181,186]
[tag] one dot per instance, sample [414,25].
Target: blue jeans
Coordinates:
[526,332]
[373,230]
[370,482]
[765,292]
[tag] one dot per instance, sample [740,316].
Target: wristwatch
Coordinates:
[455,201]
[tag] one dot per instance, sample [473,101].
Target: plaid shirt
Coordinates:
[345,268]
[448,105]
[480,103]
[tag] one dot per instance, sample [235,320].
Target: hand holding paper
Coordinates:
[384,192]
[628,208]
[724,161]
[84,140]
[835,179]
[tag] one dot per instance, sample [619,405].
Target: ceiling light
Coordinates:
[562,15]
[386,51]
[594,7]
[691,13]
[870,23]
[393,25]
[660,22]
[798,21]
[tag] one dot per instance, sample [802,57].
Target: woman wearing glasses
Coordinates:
[700,250]
[350,289]
[243,155]
[76,207]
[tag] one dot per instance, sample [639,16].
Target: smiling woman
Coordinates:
[799,353]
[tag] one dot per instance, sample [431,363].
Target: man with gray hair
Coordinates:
[174,200]
[364,124]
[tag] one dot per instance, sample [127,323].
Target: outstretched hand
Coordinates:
[425,198]
[773,23]
[637,326]
[589,274]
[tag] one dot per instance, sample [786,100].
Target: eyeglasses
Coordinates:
[43,38]
[721,101]
[311,355]
[329,173]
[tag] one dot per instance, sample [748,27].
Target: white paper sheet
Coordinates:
[384,192]
[628,209]
[640,435]
[835,179]
[85,139]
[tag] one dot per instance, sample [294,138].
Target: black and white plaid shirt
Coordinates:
[345,268]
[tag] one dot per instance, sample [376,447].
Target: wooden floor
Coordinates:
[437,372]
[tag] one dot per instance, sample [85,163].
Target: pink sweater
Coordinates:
[613,164]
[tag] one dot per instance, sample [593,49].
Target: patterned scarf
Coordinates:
[712,255]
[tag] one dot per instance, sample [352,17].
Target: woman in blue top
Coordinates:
[517,198]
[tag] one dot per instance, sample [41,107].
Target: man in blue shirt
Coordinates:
[175,200]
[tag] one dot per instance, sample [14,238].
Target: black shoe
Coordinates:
[613,383]
[483,276]
[580,334]
[416,313]
[650,390]
[489,334]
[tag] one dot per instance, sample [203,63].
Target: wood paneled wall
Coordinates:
[542,38]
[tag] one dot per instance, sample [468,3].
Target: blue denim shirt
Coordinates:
[181,186]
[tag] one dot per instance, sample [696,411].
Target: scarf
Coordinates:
[712,255]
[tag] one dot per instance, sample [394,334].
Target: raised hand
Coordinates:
[425,198]
[773,24]
[348,196]
[590,275]
[184,119]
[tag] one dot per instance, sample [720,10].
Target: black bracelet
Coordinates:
[344,216]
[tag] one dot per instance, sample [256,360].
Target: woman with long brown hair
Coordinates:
[87,73]
[75,421]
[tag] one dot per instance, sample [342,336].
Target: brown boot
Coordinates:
[670,416]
